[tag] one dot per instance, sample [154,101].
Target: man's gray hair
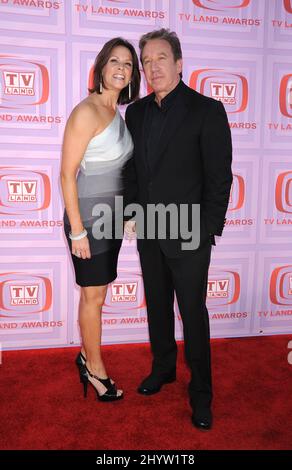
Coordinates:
[163,33]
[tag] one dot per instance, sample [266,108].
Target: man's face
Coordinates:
[160,68]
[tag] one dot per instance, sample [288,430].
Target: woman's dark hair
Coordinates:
[169,36]
[102,59]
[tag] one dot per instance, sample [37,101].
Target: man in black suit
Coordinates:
[182,155]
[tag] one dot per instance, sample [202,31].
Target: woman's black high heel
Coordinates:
[80,363]
[111,393]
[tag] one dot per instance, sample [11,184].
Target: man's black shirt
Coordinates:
[155,122]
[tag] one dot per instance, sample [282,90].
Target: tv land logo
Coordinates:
[229,88]
[19,83]
[224,92]
[237,193]
[23,190]
[221,5]
[281,285]
[285,95]
[124,291]
[223,288]
[22,294]
[125,295]
[23,82]
[218,289]
[26,294]
[283,192]
[288,5]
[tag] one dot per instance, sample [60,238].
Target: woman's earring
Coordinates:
[100,86]
[130,91]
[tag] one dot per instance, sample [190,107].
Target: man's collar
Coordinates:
[168,100]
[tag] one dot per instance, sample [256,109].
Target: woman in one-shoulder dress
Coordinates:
[97,145]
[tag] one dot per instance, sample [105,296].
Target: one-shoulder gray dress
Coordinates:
[99,181]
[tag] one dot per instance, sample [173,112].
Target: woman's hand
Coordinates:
[81,248]
[130,230]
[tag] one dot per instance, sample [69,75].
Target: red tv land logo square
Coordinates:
[229,88]
[124,291]
[281,285]
[23,83]
[288,5]
[26,294]
[221,5]
[218,288]
[225,92]
[237,193]
[285,95]
[22,294]
[223,288]
[283,192]
[19,83]
[126,294]
[23,191]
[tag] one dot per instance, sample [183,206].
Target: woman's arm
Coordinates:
[80,128]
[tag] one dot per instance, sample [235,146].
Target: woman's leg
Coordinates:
[90,305]
[91,301]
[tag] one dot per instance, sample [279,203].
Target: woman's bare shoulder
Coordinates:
[84,109]
[84,115]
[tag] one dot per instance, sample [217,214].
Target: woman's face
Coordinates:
[118,71]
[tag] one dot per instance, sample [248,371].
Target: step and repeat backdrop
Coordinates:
[237,51]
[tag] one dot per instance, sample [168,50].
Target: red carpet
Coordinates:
[42,405]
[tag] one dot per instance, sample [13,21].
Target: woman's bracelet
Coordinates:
[79,236]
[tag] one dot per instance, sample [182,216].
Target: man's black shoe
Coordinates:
[153,383]
[202,419]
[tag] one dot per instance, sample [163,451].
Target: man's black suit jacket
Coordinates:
[193,163]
